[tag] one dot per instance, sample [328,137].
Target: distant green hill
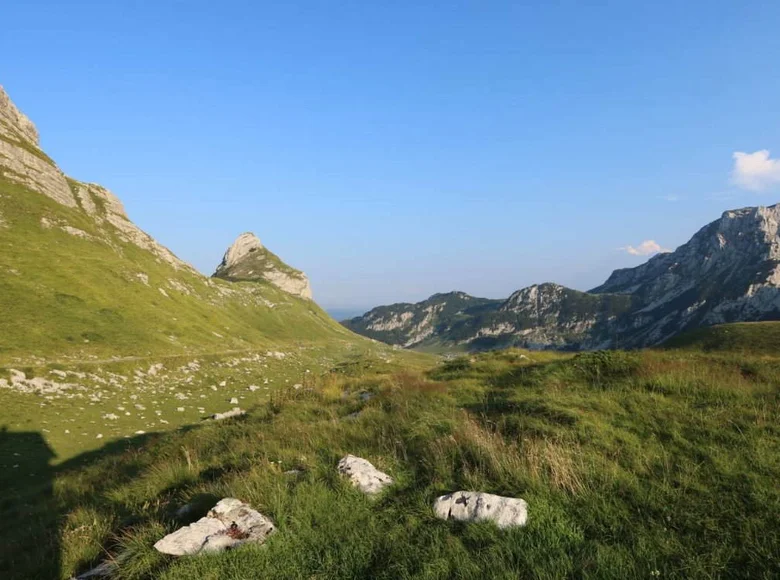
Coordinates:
[750,337]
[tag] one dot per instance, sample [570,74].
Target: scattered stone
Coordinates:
[234,401]
[364,475]
[230,524]
[474,506]
[366,396]
[234,412]
[253,388]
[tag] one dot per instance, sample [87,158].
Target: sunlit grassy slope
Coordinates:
[68,297]
[634,465]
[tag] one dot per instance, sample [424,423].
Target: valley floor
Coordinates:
[642,464]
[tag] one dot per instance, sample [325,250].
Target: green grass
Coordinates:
[741,337]
[633,464]
[68,298]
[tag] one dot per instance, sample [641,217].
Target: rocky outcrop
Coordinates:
[474,506]
[23,162]
[105,207]
[364,475]
[230,524]
[12,119]
[728,272]
[248,260]
[21,159]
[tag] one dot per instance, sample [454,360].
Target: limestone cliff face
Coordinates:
[248,260]
[728,272]
[24,163]
[21,159]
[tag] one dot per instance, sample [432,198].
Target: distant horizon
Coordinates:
[393,152]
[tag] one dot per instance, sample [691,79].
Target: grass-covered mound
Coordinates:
[633,464]
[739,337]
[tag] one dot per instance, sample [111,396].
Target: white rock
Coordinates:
[234,401]
[234,412]
[230,524]
[474,506]
[364,475]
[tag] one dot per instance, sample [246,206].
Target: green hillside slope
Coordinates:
[739,337]
[91,293]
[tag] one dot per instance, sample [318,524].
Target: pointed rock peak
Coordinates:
[244,245]
[248,260]
[12,119]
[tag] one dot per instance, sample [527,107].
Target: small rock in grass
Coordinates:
[474,506]
[234,412]
[230,524]
[364,475]
[234,401]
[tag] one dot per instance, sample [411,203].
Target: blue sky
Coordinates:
[394,150]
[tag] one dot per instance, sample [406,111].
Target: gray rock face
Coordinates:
[248,260]
[364,475]
[245,244]
[728,272]
[23,162]
[230,524]
[21,159]
[474,506]
[14,119]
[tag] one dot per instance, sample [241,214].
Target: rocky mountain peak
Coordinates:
[248,260]
[244,245]
[12,119]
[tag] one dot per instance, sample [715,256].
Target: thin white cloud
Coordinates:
[669,197]
[646,248]
[755,171]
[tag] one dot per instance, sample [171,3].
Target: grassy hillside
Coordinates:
[642,464]
[66,296]
[740,337]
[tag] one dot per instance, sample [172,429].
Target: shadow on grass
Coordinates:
[29,515]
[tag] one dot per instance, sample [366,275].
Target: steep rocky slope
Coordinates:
[248,260]
[79,280]
[728,272]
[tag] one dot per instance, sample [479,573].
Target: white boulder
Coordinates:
[475,506]
[364,475]
[230,524]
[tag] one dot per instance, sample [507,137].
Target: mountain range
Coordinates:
[729,271]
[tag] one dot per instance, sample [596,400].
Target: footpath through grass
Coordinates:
[634,465]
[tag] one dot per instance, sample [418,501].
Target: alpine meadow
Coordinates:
[162,423]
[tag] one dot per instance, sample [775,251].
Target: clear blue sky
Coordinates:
[396,149]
